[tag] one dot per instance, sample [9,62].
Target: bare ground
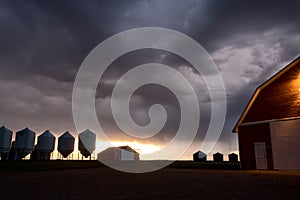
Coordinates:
[168,183]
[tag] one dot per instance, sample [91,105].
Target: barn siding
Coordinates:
[285,139]
[280,99]
[250,134]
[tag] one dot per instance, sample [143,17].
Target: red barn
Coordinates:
[269,128]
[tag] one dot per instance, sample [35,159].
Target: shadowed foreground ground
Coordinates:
[169,183]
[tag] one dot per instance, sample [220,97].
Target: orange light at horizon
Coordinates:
[142,148]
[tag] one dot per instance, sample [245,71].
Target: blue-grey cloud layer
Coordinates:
[44,42]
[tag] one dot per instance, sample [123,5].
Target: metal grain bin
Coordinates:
[218,157]
[24,142]
[233,157]
[66,144]
[199,156]
[86,143]
[46,142]
[45,145]
[5,139]
[5,142]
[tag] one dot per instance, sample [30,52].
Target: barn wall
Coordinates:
[117,154]
[250,134]
[107,155]
[136,156]
[280,99]
[127,155]
[285,137]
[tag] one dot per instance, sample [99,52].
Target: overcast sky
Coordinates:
[43,43]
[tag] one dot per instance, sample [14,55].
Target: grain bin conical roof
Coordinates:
[46,142]
[66,144]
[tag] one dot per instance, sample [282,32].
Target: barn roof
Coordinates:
[127,148]
[260,88]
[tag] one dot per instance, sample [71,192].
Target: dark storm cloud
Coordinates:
[227,21]
[44,42]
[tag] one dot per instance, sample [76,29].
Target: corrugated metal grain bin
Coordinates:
[24,142]
[86,142]
[5,139]
[46,142]
[5,142]
[199,156]
[218,157]
[66,144]
[233,157]
[45,145]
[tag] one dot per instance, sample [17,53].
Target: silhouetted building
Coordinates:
[24,142]
[122,153]
[199,156]
[66,144]
[218,157]
[268,129]
[45,145]
[86,143]
[233,157]
[5,142]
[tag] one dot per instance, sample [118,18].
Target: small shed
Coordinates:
[218,157]
[122,153]
[199,156]
[268,129]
